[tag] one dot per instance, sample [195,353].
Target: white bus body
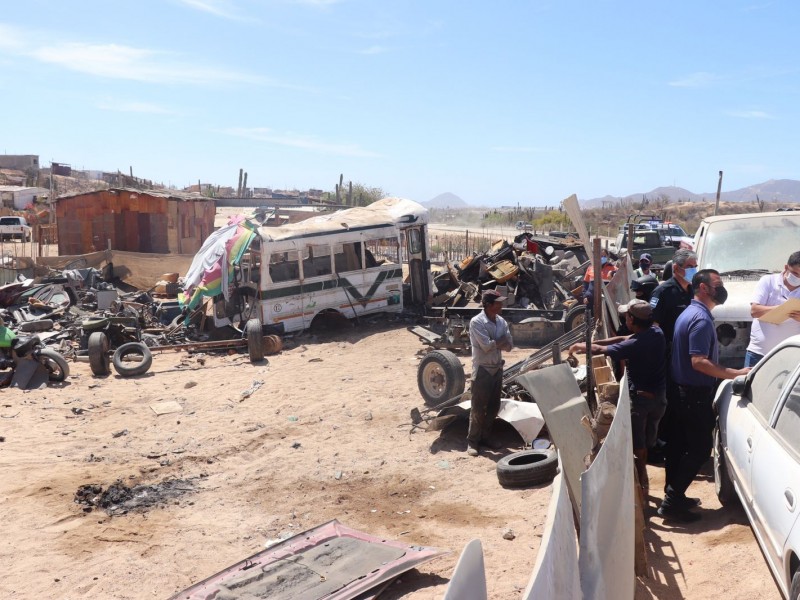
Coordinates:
[349,262]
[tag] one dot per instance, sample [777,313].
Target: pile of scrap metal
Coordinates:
[535,271]
[88,315]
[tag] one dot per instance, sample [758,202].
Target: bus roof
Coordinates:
[388,211]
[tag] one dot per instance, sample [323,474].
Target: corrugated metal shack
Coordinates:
[160,221]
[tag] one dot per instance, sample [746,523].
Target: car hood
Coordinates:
[737,306]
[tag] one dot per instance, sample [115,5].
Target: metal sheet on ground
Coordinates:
[331,561]
[555,574]
[562,405]
[607,515]
[469,577]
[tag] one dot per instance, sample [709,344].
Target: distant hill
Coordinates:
[775,190]
[446,200]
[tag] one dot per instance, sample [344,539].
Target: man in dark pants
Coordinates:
[695,371]
[669,300]
[488,335]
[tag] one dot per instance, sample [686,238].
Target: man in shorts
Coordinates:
[645,354]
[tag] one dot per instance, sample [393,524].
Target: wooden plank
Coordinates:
[603,375]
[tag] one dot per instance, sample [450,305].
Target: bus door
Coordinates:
[419,265]
[282,296]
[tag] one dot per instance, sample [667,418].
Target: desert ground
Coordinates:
[320,431]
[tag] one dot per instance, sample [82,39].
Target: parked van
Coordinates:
[351,262]
[743,248]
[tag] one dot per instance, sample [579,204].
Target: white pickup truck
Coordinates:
[15,228]
[743,248]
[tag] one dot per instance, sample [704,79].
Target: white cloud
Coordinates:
[749,114]
[132,106]
[295,140]
[218,8]
[375,50]
[695,80]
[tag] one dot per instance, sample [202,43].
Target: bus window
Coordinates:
[318,261]
[283,266]
[384,251]
[347,257]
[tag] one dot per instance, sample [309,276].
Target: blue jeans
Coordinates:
[751,358]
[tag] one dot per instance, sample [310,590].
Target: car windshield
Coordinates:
[754,243]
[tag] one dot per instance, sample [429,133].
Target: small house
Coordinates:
[156,221]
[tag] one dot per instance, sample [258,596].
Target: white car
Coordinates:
[757,457]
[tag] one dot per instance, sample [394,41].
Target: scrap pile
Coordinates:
[537,272]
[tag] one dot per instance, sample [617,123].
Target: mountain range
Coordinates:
[783,191]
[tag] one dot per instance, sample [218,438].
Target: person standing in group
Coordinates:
[669,300]
[644,352]
[771,291]
[645,261]
[695,371]
[607,270]
[489,335]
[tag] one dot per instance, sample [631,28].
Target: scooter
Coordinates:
[15,349]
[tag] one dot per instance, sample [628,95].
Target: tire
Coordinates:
[99,360]
[575,317]
[726,493]
[255,340]
[127,369]
[794,590]
[56,365]
[440,376]
[526,468]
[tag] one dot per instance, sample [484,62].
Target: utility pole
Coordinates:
[719,189]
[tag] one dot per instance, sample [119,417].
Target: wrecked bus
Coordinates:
[351,262]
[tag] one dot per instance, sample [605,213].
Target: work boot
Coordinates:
[678,513]
[472,451]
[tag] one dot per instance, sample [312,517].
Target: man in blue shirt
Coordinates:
[695,371]
[644,353]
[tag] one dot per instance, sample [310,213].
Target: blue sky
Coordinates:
[499,102]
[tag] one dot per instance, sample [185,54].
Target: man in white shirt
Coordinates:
[771,291]
[488,335]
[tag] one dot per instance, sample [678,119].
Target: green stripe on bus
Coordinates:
[329,284]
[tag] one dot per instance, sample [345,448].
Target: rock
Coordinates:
[368,416]
[189,384]
[508,534]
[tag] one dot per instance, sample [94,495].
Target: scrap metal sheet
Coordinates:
[555,574]
[607,515]
[331,561]
[562,405]
[469,577]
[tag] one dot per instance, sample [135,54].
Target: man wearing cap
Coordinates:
[645,354]
[488,336]
[645,261]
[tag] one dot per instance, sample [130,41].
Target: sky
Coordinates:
[501,103]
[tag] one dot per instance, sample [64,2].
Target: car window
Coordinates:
[769,379]
[788,423]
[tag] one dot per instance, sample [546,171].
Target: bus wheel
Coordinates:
[440,376]
[255,340]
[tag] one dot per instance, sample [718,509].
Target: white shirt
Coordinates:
[771,291]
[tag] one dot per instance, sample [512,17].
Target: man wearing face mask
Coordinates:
[771,291]
[669,300]
[695,370]
[645,260]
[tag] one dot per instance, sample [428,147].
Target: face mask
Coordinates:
[720,295]
[792,279]
[603,260]
[689,273]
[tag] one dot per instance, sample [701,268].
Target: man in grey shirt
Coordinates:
[488,336]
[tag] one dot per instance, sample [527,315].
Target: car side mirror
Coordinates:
[740,385]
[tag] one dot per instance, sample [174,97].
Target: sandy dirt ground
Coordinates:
[326,436]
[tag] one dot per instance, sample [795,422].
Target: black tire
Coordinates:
[575,317]
[127,368]
[255,340]
[56,365]
[526,468]
[99,360]
[440,376]
[726,493]
[794,590]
